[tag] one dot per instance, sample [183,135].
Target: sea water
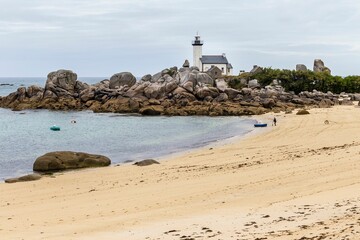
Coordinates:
[11,84]
[26,135]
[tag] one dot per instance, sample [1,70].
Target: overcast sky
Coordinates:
[103,37]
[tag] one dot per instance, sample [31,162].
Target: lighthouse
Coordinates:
[207,62]
[197,51]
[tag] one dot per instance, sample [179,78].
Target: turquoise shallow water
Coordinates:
[25,135]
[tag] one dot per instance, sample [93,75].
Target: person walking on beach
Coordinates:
[274,121]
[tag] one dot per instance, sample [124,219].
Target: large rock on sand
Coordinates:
[302,112]
[26,178]
[146,162]
[57,161]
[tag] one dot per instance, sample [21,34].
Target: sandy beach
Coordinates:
[298,180]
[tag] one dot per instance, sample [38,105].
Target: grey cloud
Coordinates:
[101,37]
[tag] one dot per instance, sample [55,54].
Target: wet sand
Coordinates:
[298,180]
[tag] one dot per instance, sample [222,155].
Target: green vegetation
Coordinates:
[298,81]
[235,81]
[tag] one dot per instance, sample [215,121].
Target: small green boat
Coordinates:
[55,128]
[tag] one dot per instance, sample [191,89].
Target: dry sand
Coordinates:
[299,180]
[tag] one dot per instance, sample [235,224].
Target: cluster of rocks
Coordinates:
[173,91]
[67,160]
[319,66]
[61,161]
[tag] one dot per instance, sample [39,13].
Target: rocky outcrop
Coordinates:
[122,79]
[62,84]
[58,161]
[26,178]
[320,67]
[325,103]
[190,78]
[172,91]
[205,79]
[302,112]
[152,110]
[202,92]
[254,83]
[233,94]
[221,84]
[355,97]
[301,67]
[186,64]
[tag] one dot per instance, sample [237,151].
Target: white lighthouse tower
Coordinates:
[197,51]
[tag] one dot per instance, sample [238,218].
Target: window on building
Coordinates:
[222,69]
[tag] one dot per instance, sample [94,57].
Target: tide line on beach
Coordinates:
[297,180]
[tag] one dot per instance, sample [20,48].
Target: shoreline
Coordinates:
[210,131]
[297,180]
[171,156]
[214,143]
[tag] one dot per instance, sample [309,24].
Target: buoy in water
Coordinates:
[55,128]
